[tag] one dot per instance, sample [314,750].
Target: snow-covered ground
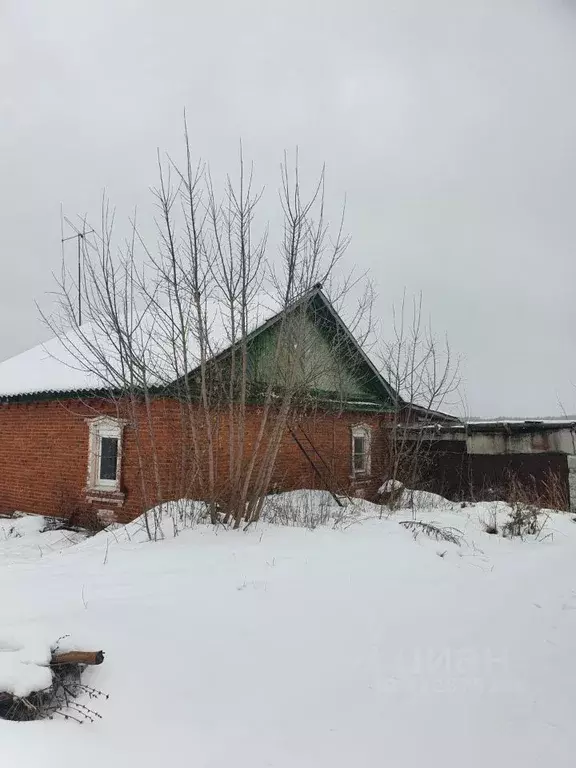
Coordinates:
[281,646]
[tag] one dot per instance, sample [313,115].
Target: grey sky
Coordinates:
[449,124]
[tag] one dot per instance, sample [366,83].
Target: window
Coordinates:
[105,451]
[108,458]
[361,443]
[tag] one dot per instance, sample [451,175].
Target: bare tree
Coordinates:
[173,323]
[425,374]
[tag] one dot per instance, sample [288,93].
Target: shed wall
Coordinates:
[458,475]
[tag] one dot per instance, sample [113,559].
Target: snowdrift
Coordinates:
[349,644]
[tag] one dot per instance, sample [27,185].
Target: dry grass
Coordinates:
[307,510]
[433,531]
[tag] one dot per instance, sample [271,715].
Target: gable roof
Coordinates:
[51,369]
[356,356]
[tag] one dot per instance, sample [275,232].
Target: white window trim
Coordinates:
[365,431]
[103,426]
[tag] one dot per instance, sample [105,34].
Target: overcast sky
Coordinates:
[450,125]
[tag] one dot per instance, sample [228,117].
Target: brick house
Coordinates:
[69,443]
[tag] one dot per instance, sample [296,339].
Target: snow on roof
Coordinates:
[54,367]
[48,367]
[530,422]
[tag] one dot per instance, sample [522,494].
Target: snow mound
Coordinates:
[389,486]
[27,537]
[312,509]
[425,500]
[302,509]
[24,665]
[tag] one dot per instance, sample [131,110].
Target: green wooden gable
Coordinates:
[330,364]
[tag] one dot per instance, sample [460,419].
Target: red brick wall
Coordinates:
[44,455]
[43,450]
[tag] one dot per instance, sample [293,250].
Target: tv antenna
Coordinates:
[81,238]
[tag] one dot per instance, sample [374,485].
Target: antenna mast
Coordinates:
[80,237]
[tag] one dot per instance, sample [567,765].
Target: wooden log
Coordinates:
[78,657]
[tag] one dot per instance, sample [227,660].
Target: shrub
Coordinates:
[524,520]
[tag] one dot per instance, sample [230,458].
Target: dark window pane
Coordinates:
[108,458]
[359,453]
